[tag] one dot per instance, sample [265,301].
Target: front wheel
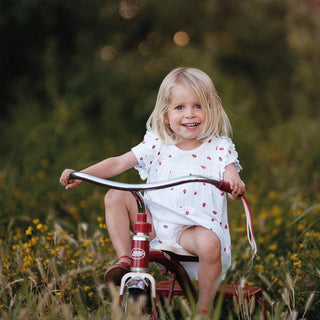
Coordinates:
[137,298]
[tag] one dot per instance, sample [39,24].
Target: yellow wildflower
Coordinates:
[45,262]
[278,221]
[86,243]
[259,268]
[29,231]
[273,247]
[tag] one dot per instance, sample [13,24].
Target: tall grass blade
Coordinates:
[304,214]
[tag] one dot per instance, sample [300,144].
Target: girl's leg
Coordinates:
[121,213]
[206,245]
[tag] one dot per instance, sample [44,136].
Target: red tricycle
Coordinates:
[139,280]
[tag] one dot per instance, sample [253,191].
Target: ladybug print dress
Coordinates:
[176,208]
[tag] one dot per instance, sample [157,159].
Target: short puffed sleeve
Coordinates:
[145,153]
[227,154]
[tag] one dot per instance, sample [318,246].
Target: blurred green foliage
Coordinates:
[79,79]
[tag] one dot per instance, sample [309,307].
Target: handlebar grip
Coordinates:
[224,186]
[71,176]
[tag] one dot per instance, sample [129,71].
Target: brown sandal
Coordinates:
[115,273]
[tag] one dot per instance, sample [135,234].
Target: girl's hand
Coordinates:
[237,186]
[65,182]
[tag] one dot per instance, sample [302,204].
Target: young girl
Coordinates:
[187,134]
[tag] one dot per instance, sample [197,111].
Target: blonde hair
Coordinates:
[216,120]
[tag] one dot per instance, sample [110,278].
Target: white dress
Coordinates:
[176,208]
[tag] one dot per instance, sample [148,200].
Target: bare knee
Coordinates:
[120,204]
[209,246]
[114,197]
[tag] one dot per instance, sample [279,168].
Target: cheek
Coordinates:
[166,119]
[201,115]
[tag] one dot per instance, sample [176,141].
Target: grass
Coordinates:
[53,268]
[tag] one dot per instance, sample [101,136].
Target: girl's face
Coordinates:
[185,117]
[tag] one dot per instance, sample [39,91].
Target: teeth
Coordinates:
[190,124]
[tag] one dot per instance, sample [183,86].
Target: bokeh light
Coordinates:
[108,53]
[181,38]
[128,9]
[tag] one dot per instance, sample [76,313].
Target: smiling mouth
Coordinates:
[191,125]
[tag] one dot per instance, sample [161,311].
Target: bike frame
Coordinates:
[139,276]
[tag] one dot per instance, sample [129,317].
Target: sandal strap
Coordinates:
[204,311]
[124,263]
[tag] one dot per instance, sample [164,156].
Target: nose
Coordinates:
[189,112]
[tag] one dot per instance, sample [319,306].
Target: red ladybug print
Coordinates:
[214,212]
[221,149]
[229,152]
[171,189]
[208,157]
[159,153]
[220,158]
[194,156]
[204,204]
[226,227]
[212,219]
[195,193]
[165,226]
[209,141]
[203,167]
[160,163]
[184,191]
[170,156]
[187,212]
[153,146]
[141,158]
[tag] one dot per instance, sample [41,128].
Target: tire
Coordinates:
[137,295]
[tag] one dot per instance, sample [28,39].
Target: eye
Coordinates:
[179,107]
[197,106]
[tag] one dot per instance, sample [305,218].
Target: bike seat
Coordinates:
[178,253]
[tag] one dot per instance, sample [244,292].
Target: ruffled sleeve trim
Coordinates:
[145,152]
[227,155]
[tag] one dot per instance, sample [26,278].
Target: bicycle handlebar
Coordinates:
[221,185]
[136,188]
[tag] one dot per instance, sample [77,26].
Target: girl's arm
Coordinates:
[237,186]
[105,169]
